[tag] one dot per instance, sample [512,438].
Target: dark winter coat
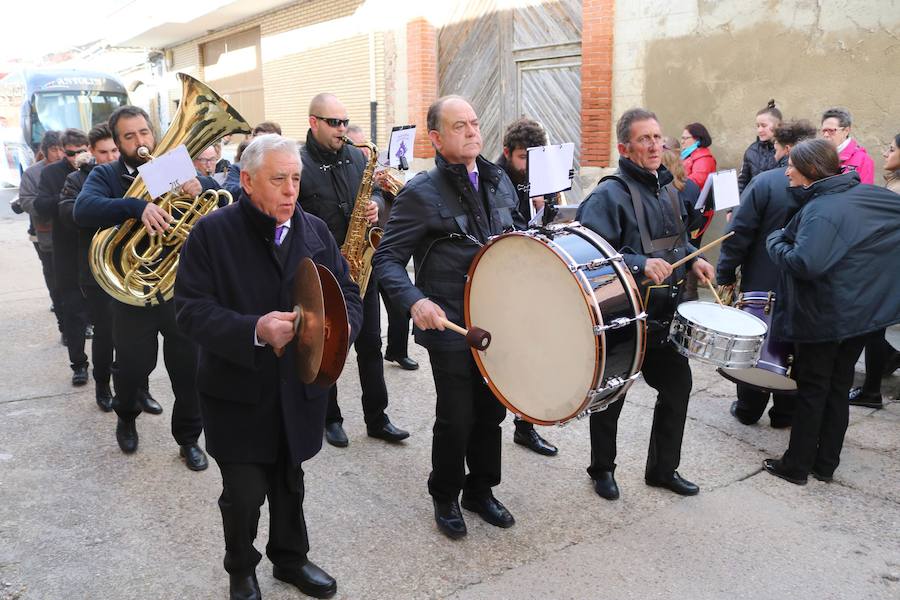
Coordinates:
[65,239]
[440,221]
[839,262]
[758,158]
[330,182]
[71,189]
[229,275]
[767,204]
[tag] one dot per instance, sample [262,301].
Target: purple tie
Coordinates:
[278,231]
[473,177]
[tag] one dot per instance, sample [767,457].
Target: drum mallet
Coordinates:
[706,247]
[476,337]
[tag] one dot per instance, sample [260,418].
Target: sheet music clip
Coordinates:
[549,213]
[404,166]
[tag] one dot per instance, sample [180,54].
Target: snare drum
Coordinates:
[567,324]
[719,335]
[772,371]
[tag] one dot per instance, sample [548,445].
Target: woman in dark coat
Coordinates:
[760,155]
[838,263]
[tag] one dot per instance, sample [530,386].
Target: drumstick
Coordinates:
[476,337]
[678,263]
[713,290]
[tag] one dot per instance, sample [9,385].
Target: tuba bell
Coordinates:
[139,269]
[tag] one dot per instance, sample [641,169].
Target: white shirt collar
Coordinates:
[844,144]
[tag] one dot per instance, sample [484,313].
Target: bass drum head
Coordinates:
[544,357]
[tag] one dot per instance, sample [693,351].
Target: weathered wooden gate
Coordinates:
[524,61]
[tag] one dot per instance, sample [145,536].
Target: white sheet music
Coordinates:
[402,143]
[724,187]
[549,168]
[168,171]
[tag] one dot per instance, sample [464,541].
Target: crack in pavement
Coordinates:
[42,397]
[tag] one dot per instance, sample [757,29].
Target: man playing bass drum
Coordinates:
[639,213]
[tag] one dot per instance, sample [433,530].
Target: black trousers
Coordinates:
[99,308]
[666,371]
[752,403]
[466,429]
[824,374]
[72,310]
[46,258]
[244,488]
[135,331]
[878,353]
[398,329]
[370,363]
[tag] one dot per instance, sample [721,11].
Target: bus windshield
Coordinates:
[79,109]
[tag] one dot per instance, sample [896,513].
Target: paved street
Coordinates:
[78,519]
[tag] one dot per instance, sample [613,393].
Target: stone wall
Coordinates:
[719,61]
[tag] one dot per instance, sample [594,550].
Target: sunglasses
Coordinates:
[333,122]
[75,152]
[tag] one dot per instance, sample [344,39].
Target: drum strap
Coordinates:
[451,198]
[650,245]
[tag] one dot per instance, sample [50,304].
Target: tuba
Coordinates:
[139,269]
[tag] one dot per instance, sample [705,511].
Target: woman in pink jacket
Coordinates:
[698,160]
[836,124]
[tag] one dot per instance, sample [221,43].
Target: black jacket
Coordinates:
[330,182]
[521,188]
[71,189]
[439,220]
[65,239]
[229,275]
[758,158]
[839,262]
[766,205]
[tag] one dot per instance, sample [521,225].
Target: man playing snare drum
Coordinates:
[648,229]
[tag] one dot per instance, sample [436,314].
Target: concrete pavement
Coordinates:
[78,519]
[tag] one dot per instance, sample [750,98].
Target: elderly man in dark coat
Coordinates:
[232,295]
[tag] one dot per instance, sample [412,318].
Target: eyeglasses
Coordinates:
[75,152]
[207,161]
[649,141]
[332,122]
[831,130]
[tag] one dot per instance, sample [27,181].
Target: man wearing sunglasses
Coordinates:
[332,172]
[70,305]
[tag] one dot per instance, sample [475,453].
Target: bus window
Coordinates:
[59,110]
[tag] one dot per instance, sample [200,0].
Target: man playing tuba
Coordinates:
[135,328]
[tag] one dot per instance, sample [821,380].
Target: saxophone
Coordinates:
[362,238]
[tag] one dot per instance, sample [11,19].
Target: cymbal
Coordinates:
[309,326]
[337,329]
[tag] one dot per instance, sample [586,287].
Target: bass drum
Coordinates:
[567,323]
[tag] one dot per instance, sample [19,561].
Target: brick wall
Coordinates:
[421,56]
[596,82]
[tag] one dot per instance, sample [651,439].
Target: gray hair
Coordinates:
[253,155]
[840,113]
[632,115]
[433,118]
[354,128]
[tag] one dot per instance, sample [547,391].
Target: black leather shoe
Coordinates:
[194,457]
[449,519]
[675,483]
[491,510]
[243,587]
[334,435]
[780,423]
[147,403]
[734,413]
[126,435]
[387,432]
[534,442]
[773,466]
[857,397]
[606,487]
[80,375]
[104,396]
[405,362]
[310,579]
[821,476]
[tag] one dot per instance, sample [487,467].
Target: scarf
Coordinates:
[687,151]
